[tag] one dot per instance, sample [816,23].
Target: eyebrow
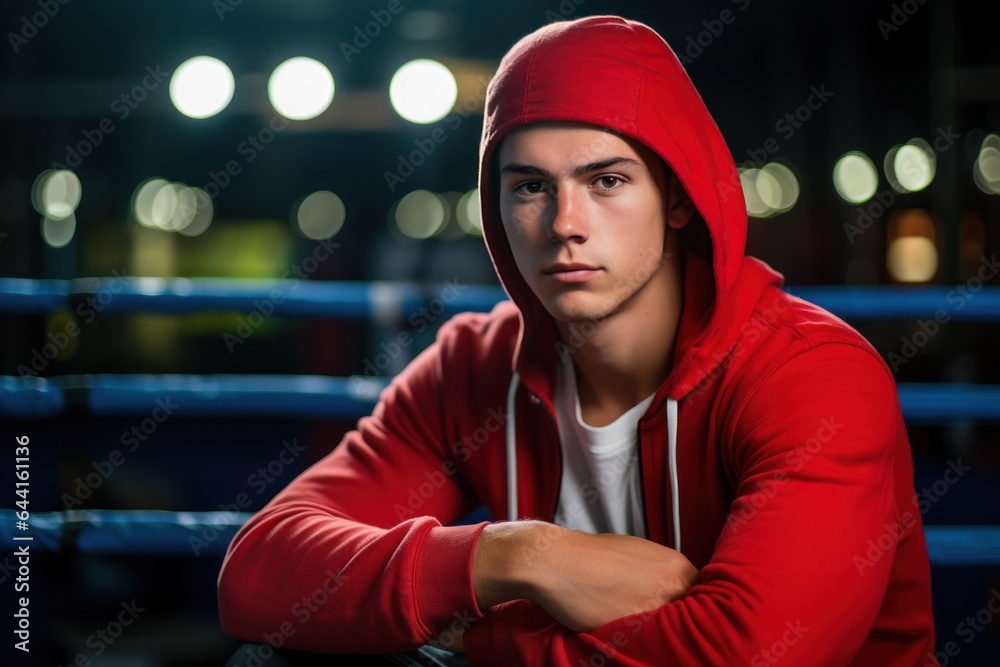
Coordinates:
[578,171]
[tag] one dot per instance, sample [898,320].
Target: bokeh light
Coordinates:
[777,187]
[855,177]
[986,169]
[320,215]
[58,232]
[300,88]
[204,211]
[56,193]
[912,259]
[756,207]
[423,91]
[202,87]
[910,167]
[469,214]
[172,207]
[420,214]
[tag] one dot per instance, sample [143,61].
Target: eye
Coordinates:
[609,182]
[529,187]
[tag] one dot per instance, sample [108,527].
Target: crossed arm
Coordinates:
[583,581]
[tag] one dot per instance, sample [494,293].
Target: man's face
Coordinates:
[586,213]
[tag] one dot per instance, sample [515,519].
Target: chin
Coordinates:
[578,308]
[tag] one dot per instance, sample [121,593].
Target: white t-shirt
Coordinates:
[601,490]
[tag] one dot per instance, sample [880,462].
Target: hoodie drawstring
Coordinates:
[511,451]
[671,452]
[675,498]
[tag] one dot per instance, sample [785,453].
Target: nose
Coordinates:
[568,216]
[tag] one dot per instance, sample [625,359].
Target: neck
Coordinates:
[627,356]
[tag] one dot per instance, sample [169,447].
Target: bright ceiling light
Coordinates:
[300,88]
[202,87]
[423,91]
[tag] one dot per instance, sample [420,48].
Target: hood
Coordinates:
[635,85]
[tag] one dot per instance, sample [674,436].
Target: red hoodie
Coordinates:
[774,456]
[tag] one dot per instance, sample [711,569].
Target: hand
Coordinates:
[583,581]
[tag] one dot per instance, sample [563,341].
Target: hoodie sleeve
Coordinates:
[821,462]
[349,557]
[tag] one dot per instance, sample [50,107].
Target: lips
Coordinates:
[573,272]
[573,266]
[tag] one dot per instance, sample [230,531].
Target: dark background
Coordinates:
[940,69]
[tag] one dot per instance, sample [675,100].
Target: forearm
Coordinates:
[508,560]
[583,581]
[326,583]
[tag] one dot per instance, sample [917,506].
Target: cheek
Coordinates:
[651,222]
[517,238]
[521,222]
[512,226]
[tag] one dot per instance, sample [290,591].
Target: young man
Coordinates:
[694,466]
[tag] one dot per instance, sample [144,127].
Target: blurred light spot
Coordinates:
[56,193]
[300,88]
[165,205]
[986,170]
[910,167]
[204,211]
[912,259]
[855,177]
[185,207]
[149,286]
[756,206]
[172,207]
[420,214]
[142,200]
[202,86]
[423,91]
[320,215]
[777,187]
[469,215]
[58,233]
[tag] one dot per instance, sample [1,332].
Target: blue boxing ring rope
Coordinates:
[154,532]
[348,299]
[323,397]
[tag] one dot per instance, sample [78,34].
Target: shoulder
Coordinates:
[800,358]
[784,329]
[468,349]
[478,337]
[810,325]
